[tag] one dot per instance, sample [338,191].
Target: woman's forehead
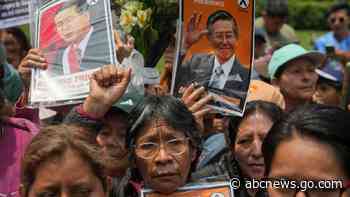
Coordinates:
[157,127]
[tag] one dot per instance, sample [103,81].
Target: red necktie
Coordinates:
[74,59]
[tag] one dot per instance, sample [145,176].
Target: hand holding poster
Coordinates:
[202,190]
[76,38]
[217,51]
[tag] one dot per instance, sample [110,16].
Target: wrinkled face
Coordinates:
[303,158]
[112,139]
[298,81]
[339,21]
[14,52]
[71,25]
[223,39]
[167,167]
[247,147]
[69,176]
[327,94]
[273,24]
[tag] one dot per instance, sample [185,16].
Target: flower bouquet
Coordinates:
[151,22]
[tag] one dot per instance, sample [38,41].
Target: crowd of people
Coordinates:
[295,124]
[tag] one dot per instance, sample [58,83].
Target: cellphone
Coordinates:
[330,50]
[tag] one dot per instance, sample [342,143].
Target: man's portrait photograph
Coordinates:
[213,55]
[74,37]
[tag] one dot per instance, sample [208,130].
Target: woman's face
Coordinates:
[112,140]
[13,49]
[163,157]
[68,176]
[298,81]
[303,158]
[247,147]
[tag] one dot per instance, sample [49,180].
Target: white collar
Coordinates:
[82,46]
[227,66]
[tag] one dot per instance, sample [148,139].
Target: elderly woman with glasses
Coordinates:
[164,140]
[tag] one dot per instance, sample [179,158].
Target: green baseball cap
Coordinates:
[290,52]
[129,101]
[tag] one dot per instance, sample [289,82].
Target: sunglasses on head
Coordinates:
[334,19]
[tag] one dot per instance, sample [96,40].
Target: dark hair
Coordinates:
[81,6]
[338,86]
[54,141]
[277,8]
[167,108]
[324,124]
[117,111]
[337,7]
[222,15]
[21,38]
[271,110]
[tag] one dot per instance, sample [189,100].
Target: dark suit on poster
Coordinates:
[96,54]
[200,69]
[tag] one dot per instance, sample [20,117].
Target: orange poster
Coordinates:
[216,51]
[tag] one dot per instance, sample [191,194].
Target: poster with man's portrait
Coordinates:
[217,51]
[76,38]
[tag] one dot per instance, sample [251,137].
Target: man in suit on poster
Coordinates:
[87,45]
[220,72]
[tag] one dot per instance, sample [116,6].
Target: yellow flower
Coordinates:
[127,21]
[143,17]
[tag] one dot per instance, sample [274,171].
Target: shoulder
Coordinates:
[242,68]
[225,168]
[199,60]
[287,28]
[325,38]
[22,124]
[288,32]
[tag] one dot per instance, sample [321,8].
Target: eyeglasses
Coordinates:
[175,147]
[334,19]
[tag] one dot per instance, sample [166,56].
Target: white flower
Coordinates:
[143,17]
[133,6]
